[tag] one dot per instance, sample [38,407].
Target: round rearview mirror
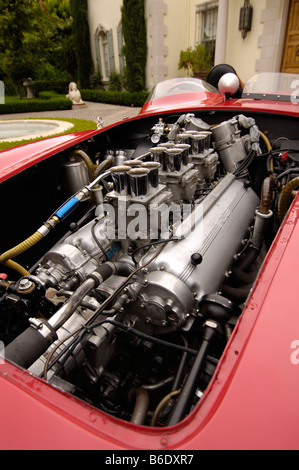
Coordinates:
[228,84]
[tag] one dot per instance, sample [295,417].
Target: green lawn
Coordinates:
[79,125]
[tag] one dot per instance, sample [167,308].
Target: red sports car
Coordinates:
[148,286]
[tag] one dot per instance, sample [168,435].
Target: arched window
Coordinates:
[104,51]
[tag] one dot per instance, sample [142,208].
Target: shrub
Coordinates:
[121,98]
[50,102]
[115,82]
[96,80]
[194,61]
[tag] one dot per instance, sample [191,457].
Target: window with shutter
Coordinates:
[120,42]
[98,54]
[111,59]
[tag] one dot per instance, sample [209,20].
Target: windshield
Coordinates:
[177,86]
[273,86]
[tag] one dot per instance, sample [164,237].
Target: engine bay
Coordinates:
[127,296]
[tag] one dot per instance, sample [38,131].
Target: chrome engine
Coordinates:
[155,278]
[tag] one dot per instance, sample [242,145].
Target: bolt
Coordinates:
[25,284]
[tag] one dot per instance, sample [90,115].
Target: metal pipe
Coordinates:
[141,405]
[94,279]
[64,313]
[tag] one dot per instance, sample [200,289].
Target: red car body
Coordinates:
[251,401]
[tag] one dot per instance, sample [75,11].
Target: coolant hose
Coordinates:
[236,294]
[27,347]
[103,166]
[284,200]
[88,162]
[5,258]
[249,258]
[262,216]
[242,277]
[33,342]
[270,183]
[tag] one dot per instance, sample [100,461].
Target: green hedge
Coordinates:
[121,98]
[48,102]
[51,101]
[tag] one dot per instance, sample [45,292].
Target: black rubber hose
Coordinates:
[236,294]
[180,371]
[249,258]
[103,272]
[26,348]
[243,278]
[184,401]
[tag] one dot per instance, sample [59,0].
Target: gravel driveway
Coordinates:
[108,112]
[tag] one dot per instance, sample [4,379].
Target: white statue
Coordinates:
[74,94]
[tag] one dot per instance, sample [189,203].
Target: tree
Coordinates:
[36,37]
[58,31]
[15,22]
[135,48]
[81,41]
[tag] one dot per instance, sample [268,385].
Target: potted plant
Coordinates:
[197,62]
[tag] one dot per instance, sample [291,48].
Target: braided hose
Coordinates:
[16,267]
[88,162]
[5,258]
[105,165]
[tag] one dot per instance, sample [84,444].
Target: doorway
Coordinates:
[290,60]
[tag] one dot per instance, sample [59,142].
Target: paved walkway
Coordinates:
[108,112]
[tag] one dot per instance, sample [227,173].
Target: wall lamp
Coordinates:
[245,18]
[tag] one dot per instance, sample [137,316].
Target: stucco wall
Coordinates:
[171,27]
[180,20]
[242,54]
